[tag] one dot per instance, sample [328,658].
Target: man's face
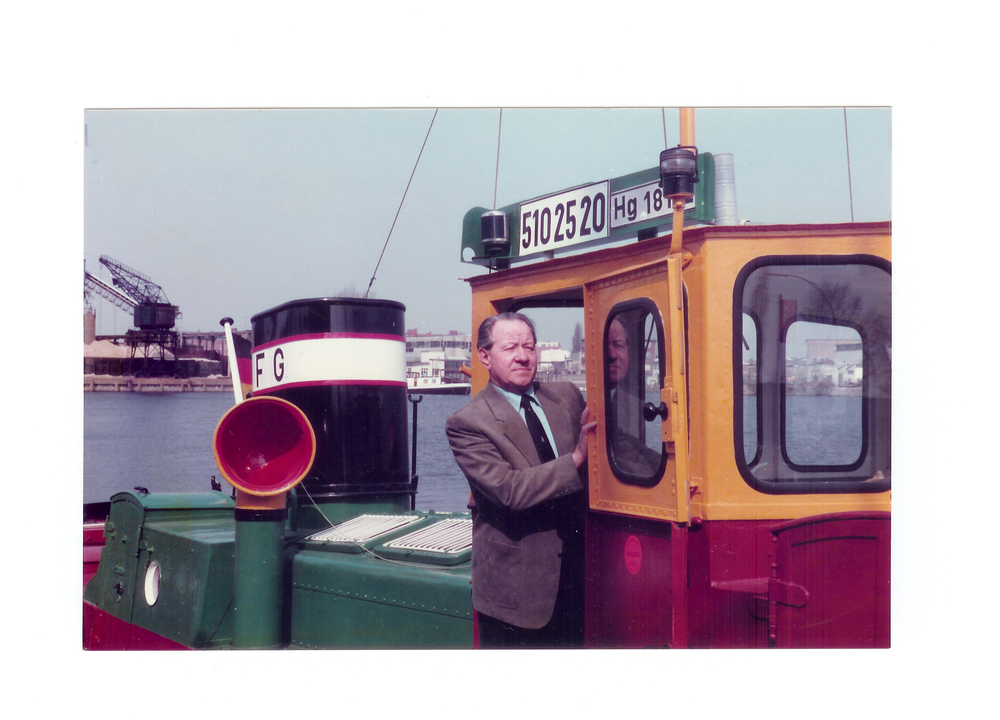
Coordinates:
[512,361]
[617,352]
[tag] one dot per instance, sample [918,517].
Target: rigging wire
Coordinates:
[496,177]
[850,189]
[401,204]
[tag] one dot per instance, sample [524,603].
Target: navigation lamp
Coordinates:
[496,237]
[679,172]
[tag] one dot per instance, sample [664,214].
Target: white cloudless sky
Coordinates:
[235,211]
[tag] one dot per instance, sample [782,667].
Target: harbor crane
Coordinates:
[152,313]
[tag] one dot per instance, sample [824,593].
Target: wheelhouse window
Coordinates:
[633,376]
[814,374]
[823,395]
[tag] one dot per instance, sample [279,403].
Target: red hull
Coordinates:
[102,631]
[819,582]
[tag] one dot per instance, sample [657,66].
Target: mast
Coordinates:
[687,140]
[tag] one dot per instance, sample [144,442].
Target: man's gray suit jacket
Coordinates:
[528,512]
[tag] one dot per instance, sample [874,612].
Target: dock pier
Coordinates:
[120,383]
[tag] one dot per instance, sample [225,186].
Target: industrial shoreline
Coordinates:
[124,383]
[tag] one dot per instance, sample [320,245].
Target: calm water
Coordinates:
[163,442]
[818,429]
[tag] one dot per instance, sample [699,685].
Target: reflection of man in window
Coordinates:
[626,408]
[617,352]
[626,425]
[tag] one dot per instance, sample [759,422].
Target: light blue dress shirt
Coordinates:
[515,401]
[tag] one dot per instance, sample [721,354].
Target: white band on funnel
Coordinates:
[329,359]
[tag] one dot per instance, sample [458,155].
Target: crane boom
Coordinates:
[133,283]
[92,283]
[131,290]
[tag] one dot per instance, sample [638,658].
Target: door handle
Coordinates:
[650,411]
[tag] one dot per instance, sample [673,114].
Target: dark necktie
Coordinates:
[542,445]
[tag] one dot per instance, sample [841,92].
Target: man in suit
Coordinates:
[523,446]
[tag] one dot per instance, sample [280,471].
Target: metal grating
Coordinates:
[447,537]
[363,528]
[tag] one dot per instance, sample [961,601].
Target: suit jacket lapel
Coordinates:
[511,423]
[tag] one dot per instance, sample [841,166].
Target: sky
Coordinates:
[233,212]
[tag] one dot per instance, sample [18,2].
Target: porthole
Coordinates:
[152,584]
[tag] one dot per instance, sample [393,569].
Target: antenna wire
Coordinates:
[496,177]
[401,203]
[847,144]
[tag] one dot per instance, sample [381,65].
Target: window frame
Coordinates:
[653,311]
[759,446]
[796,486]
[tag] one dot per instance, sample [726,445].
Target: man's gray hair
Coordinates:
[485,339]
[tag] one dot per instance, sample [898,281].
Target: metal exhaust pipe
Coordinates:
[725,190]
[263,446]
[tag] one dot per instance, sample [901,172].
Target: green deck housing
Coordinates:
[191,536]
[335,596]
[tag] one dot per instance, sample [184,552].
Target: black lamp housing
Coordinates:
[679,172]
[495,233]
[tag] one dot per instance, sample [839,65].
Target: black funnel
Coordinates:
[342,361]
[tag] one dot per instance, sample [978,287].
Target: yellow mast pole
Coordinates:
[687,139]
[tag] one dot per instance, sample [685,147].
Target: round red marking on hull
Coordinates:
[633,554]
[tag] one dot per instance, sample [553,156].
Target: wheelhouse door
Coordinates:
[637,387]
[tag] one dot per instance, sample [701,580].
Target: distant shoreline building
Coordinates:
[431,355]
[199,354]
[830,367]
